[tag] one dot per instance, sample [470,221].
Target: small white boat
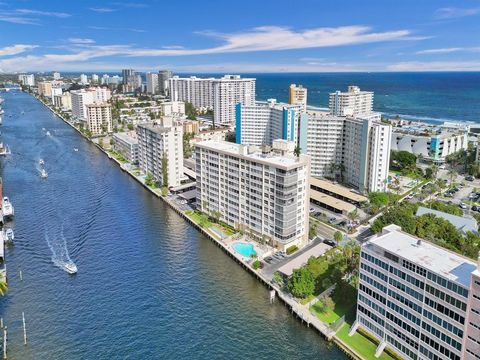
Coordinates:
[9,235]
[71,268]
[75,149]
[48,133]
[7,208]
[41,162]
[43,174]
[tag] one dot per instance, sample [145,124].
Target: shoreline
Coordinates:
[292,305]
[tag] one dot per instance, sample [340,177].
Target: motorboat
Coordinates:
[70,267]
[7,207]
[43,174]
[41,162]
[9,235]
[48,133]
[75,149]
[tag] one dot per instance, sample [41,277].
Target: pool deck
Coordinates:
[301,312]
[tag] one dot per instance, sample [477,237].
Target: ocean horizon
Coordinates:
[432,97]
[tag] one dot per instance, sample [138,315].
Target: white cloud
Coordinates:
[448,50]
[16,19]
[15,49]
[451,12]
[81,41]
[103,9]
[42,13]
[267,38]
[435,66]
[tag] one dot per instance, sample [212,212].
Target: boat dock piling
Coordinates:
[5,343]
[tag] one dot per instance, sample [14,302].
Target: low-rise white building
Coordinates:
[263,192]
[126,143]
[160,148]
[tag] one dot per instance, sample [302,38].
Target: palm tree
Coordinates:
[452,174]
[297,151]
[434,168]
[353,215]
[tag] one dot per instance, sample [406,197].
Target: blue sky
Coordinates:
[240,36]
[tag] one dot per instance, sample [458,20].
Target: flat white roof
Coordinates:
[427,255]
[126,137]
[271,158]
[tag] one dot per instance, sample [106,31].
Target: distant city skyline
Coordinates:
[250,37]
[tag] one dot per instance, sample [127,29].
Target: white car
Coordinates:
[463,205]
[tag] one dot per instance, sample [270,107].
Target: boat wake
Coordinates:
[60,255]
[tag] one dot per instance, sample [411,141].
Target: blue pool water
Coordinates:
[244,249]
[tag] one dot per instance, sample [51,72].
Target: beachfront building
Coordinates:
[429,142]
[356,151]
[152,83]
[220,95]
[351,103]
[262,123]
[263,192]
[297,95]
[418,298]
[27,79]
[99,118]
[126,143]
[161,143]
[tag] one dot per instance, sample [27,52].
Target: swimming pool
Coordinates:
[244,249]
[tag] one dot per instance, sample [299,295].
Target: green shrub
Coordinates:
[257,264]
[292,249]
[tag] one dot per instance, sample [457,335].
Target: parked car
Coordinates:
[332,220]
[329,242]
[469,178]
[448,194]
[442,167]
[463,205]
[475,208]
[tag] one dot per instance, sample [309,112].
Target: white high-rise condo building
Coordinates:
[418,298]
[351,103]
[81,98]
[355,151]
[27,79]
[220,95]
[99,118]
[161,141]
[95,78]
[83,79]
[261,123]
[152,83]
[131,80]
[56,75]
[56,91]
[298,95]
[263,193]
[63,101]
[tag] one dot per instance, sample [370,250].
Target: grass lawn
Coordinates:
[307,299]
[343,303]
[363,346]
[199,218]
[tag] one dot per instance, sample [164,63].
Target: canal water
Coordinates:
[149,286]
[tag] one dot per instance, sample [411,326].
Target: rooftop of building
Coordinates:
[156,127]
[462,223]
[338,189]
[223,78]
[255,153]
[300,260]
[432,257]
[424,130]
[129,137]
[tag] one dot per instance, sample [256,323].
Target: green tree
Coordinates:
[452,175]
[130,127]
[297,151]
[338,236]
[302,283]
[403,160]
[190,111]
[3,285]
[164,170]
[378,199]
[312,231]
